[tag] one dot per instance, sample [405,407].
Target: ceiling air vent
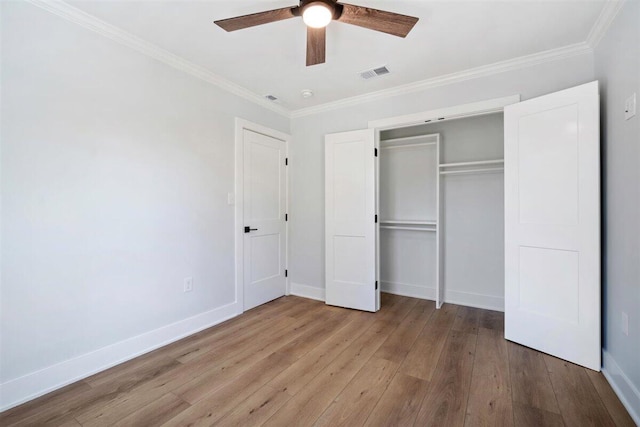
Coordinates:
[375,72]
[271,97]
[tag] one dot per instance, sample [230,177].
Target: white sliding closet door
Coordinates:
[552,224]
[350,228]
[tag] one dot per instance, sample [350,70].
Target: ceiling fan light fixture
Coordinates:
[317,15]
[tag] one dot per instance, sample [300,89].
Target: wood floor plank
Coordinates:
[221,401]
[396,347]
[400,403]
[396,311]
[244,329]
[131,367]
[527,416]
[242,342]
[490,394]
[71,423]
[467,320]
[71,407]
[616,409]
[309,403]
[219,374]
[492,320]
[354,404]
[229,328]
[50,404]
[155,413]
[310,340]
[579,402]
[131,376]
[300,373]
[245,333]
[422,358]
[446,401]
[444,317]
[237,334]
[256,409]
[302,307]
[530,380]
[118,407]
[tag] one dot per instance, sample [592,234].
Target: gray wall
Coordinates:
[307,152]
[114,179]
[617,66]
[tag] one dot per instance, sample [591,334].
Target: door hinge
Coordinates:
[286,273]
[375,152]
[376,285]
[376,219]
[286,161]
[286,217]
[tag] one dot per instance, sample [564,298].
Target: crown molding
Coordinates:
[77,16]
[607,15]
[473,73]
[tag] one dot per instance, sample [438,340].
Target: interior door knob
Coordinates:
[248,229]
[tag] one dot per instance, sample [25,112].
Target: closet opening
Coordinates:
[441,209]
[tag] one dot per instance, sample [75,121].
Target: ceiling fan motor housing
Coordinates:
[335,8]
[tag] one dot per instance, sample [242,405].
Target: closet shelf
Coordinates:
[396,146]
[471,171]
[400,227]
[432,137]
[403,222]
[476,163]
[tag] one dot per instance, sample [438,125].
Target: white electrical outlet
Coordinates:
[188,284]
[625,324]
[630,107]
[231,199]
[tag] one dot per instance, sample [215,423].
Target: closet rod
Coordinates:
[399,227]
[477,163]
[470,171]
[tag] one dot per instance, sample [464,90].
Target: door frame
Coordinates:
[480,108]
[240,126]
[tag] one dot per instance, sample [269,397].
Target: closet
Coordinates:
[441,206]
[494,204]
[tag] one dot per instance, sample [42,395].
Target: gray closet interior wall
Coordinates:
[472,206]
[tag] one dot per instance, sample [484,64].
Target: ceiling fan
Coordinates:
[317,14]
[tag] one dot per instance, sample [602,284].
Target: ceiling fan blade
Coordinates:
[316,45]
[246,21]
[379,20]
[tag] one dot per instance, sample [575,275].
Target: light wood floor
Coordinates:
[297,362]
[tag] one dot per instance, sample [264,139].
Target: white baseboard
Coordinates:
[407,290]
[307,291]
[474,300]
[35,384]
[621,384]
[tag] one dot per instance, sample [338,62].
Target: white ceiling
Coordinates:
[451,36]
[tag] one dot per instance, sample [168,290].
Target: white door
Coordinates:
[264,218]
[350,227]
[552,224]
